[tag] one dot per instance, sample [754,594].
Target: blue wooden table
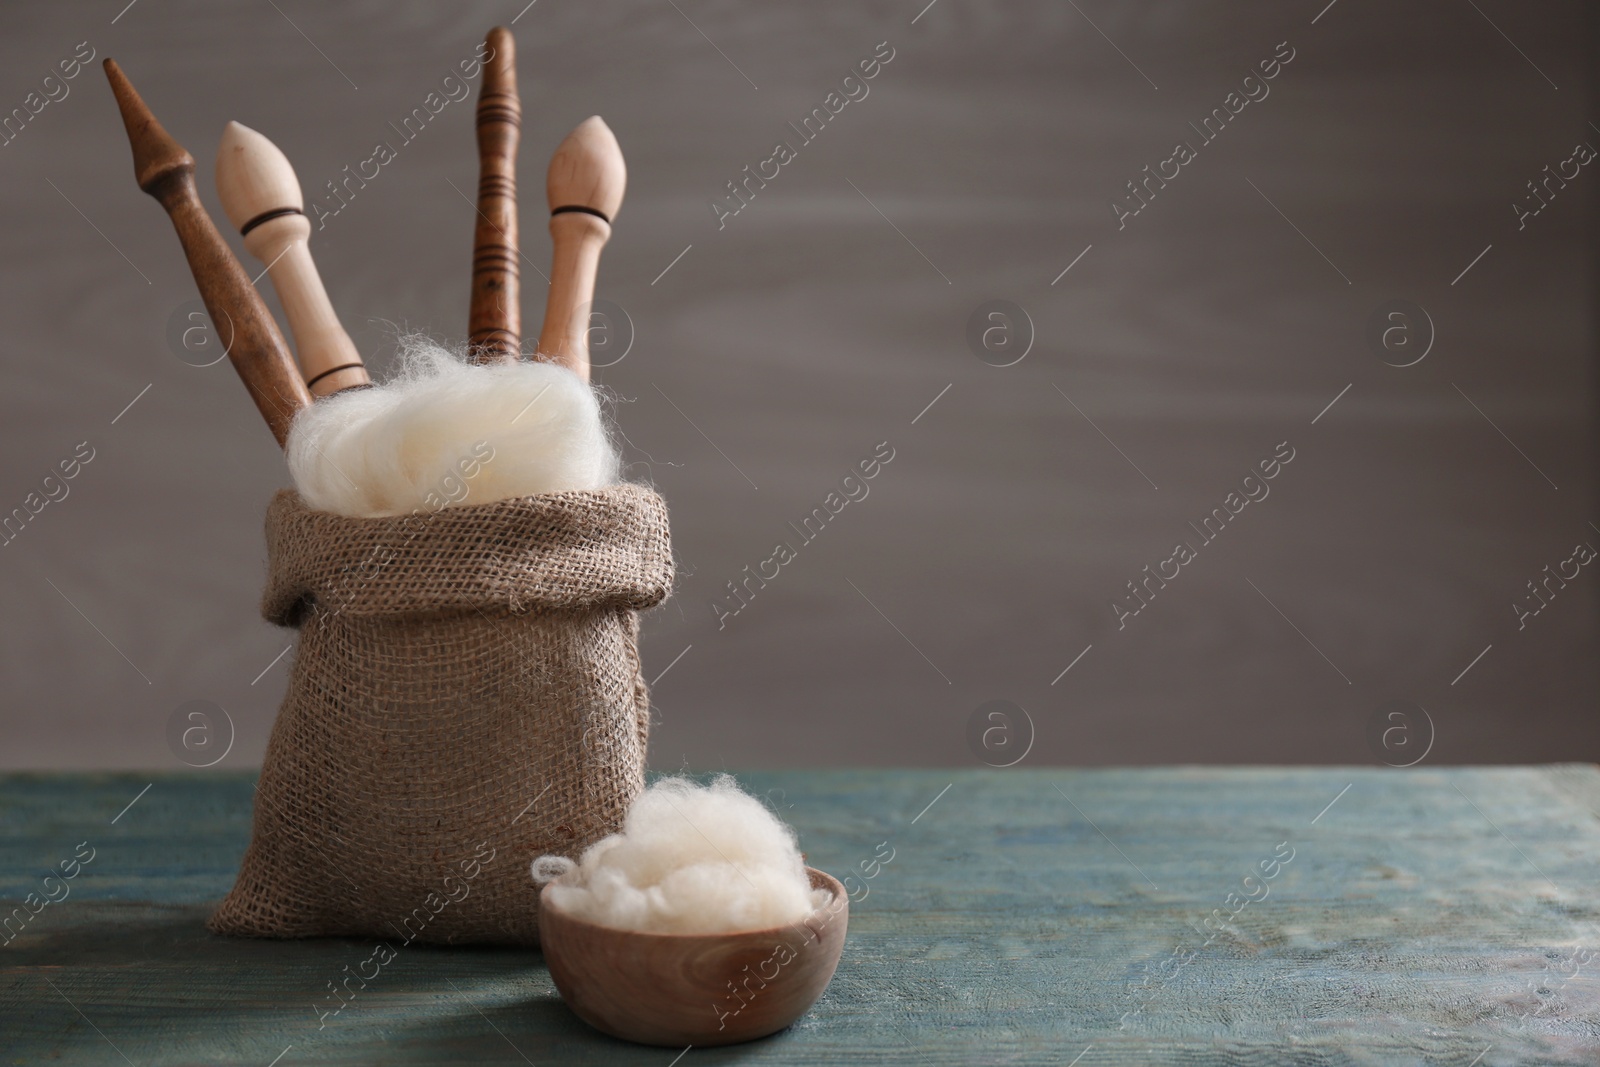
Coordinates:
[1174,915]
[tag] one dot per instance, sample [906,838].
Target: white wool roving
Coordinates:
[690,859]
[444,431]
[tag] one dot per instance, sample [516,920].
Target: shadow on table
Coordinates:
[153,983]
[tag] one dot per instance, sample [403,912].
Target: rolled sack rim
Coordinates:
[577,550]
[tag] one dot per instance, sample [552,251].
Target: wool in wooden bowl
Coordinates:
[690,859]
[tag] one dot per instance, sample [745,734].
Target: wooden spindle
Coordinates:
[261,195]
[165,170]
[494,326]
[584,187]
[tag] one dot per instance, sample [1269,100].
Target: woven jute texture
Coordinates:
[466,696]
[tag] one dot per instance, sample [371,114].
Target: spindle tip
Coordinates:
[156,155]
[588,171]
[501,63]
[254,177]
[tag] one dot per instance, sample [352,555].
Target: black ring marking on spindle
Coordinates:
[601,215]
[268,216]
[496,339]
[335,370]
[500,261]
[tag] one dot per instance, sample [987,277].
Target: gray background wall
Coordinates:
[826,316]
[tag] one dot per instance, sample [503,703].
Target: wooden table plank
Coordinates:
[1425,917]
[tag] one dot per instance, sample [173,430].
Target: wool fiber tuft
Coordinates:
[690,859]
[446,432]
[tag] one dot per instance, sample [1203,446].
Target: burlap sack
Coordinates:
[466,696]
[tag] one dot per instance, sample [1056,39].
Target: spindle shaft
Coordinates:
[165,170]
[494,327]
[260,193]
[584,186]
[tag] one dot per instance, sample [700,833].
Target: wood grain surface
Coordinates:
[694,989]
[1026,917]
[165,169]
[494,325]
[584,186]
[261,194]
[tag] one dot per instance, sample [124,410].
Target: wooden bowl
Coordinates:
[694,989]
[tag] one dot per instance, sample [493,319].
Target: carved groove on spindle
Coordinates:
[494,346]
[335,370]
[268,216]
[601,215]
[494,324]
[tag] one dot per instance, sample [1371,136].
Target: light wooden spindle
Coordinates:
[261,195]
[584,186]
[165,170]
